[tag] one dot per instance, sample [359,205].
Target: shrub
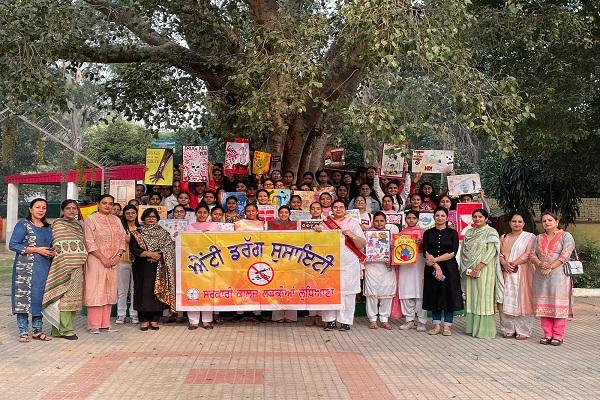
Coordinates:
[589,254]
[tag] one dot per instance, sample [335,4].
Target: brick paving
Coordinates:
[290,361]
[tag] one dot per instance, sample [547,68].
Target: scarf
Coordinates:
[156,238]
[331,224]
[68,242]
[474,246]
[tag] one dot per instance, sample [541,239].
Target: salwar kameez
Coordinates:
[410,282]
[553,293]
[482,246]
[30,271]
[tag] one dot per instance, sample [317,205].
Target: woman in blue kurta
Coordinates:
[32,241]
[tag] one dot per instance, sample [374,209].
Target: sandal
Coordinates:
[556,342]
[386,325]
[373,325]
[207,326]
[508,335]
[24,338]
[192,327]
[41,336]
[446,331]
[521,337]
[545,340]
[435,331]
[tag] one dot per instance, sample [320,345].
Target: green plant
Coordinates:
[589,254]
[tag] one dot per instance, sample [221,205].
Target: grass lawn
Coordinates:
[5,270]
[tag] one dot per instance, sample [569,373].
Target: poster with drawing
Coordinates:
[378,246]
[241,198]
[279,197]
[174,226]
[391,161]
[464,217]
[405,249]
[261,162]
[159,167]
[237,157]
[267,213]
[299,215]
[195,164]
[433,161]
[463,184]
[335,158]
[122,190]
[396,218]
[354,214]
[162,211]
[307,196]
[426,220]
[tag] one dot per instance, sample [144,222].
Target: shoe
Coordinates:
[556,342]
[120,320]
[192,327]
[545,340]
[95,331]
[144,328]
[344,327]
[108,330]
[238,317]
[330,326]
[135,320]
[70,337]
[408,325]
[421,328]
[154,328]
[207,326]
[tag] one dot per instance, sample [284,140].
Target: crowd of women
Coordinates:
[111,258]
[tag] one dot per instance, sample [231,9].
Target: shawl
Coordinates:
[474,247]
[68,242]
[156,238]
[331,224]
[514,304]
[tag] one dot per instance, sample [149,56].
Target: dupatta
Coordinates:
[331,224]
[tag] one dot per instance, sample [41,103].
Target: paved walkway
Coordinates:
[291,361]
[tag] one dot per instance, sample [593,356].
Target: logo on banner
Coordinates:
[260,274]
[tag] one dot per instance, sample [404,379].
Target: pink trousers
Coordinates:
[554,327]
[99,316]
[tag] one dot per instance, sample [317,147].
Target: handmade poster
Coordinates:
[174,226]
[452,219]
[242,200]
[463,184]
[310,224]
[162,211]
[396,218]
[88,210]
[354,214]
[195,164]
[237,157]
[335,158]
[249,225]
[433,161]
[278,225]
[464,217]
[426,220]
[299,215]
[404,249]
[122,191]
[258,271]
[279,197]
[159,167]
[378,246]
[392,161]
[328,189]
[261,163]
[224,226]
[267,213]
[307,196]
[164,143]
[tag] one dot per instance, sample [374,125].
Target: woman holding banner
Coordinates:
[153,270]
[351,257]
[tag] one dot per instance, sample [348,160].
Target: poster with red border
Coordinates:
[464,218]
[237,156]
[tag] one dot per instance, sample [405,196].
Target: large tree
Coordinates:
[282,72]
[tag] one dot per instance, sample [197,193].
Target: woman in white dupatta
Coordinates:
[516,317]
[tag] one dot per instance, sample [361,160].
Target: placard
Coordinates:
[464,217]
[391,161]
[162,211]
[122,191]
[310,224]
[396,218]
[88,210]
[307,196]
[261,162]
[299,215]
[463,184]
[279,197]
[267,213]
[159,167]
[378,245]
[258,271]
[249,225]
[335,158]
[237,156]
[426,220]
[404,249]
[242,200]
[174,226]
[433,161]
[195,164]
[354,214]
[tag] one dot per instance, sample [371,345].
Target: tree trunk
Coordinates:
[318,148]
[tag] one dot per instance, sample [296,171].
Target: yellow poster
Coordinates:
[404,249]
[162,211]
[261,162]
[88,210]
[159,167]
[235,271]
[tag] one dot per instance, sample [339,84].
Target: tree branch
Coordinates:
[264,12]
